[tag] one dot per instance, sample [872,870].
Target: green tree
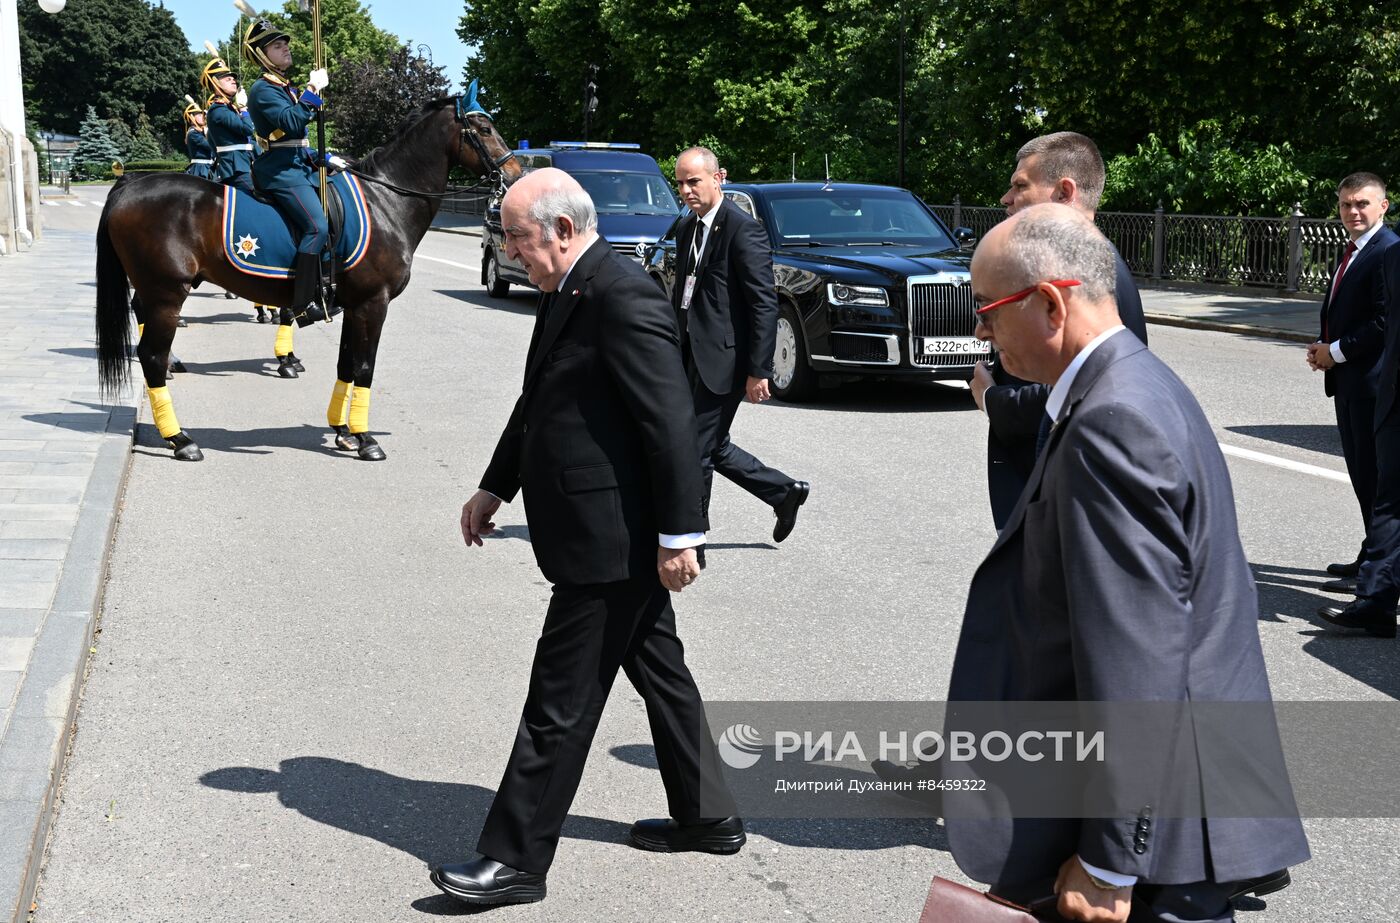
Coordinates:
[372,98]
[121,136]
[95,151]
[348,37]
[144,145]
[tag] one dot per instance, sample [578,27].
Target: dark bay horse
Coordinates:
[163,232]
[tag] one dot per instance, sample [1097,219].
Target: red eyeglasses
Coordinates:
[1026,293]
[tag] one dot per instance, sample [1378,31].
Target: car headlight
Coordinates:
[839,293]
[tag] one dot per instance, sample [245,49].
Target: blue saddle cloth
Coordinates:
[257,242]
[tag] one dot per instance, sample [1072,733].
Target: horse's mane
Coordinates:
[423,112]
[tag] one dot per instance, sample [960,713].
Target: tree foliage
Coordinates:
[122,57]
[373,98]
[1242,107]
[144,144]
[96,150]
[348,36]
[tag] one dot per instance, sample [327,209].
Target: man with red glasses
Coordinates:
[1063,167]
[1118,578]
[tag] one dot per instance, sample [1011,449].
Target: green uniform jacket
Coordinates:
[278,116]
[231,133]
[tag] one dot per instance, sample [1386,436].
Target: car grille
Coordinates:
[851,348]
[941,309]
[627,250]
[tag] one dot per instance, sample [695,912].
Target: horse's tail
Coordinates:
[113,311]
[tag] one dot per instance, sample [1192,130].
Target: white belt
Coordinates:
[210,162]
[233,147]
[303,142]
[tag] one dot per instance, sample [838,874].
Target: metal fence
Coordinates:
[1292,254]
[467,204]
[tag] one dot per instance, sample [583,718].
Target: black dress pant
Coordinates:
[714,414]
[589,632]
[1356,421]
[1381,553]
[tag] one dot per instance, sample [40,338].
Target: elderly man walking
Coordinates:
[1119,577]
[602,444]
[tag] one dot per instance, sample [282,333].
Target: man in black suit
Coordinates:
[727,308]
[1348,348]
[1119,578]
[1378,581]
[1063,167]
[602,444]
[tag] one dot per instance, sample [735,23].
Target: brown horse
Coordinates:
[164,233]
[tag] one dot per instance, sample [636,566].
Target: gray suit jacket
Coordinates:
[1120,578]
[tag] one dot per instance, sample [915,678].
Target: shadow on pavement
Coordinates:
[1283,596]
[243,317]
[521,532]
[887,397]
[435,822]
[512,304]
[256,366]
[1319,437]
[822,832]
[305,437]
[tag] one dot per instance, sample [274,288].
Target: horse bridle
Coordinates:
[493,180]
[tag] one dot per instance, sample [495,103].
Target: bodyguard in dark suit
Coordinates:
[727,309]
[602,444]
[1378,580]
[1119,577]
[1351,337]
[1063,167]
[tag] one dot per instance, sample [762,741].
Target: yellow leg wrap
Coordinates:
[359,410]
[140,329]
[163,411]
[338,413]
[284,341]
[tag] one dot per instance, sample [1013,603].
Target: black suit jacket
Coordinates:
[733,323]
[1015,406]
[1388,368]
[602,440]
[1120,577]
[1354,313]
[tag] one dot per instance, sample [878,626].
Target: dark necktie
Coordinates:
[1042,435]
[1337,280]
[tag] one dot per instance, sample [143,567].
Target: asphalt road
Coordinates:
[305,686]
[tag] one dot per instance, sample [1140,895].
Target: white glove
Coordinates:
[240,99]
[336,163]
[317,80]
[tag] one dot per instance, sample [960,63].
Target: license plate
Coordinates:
[955,346]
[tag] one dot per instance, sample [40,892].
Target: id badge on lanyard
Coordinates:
[689,291]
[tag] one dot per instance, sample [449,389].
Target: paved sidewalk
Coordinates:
[63,461]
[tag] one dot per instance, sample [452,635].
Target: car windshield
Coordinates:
[854,219]
[619,193]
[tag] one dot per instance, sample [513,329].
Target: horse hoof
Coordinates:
[344,441]
[177,366]
[229,296]
[286,369]
[185,448]
[180,322]
[296,363]
[369,449]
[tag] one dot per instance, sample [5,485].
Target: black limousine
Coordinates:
[870,284]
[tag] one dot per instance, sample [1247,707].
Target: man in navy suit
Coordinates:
[1348,348]
[1063,167]
[1118,578]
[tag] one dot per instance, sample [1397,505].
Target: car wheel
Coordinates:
[793,378]
[496,287]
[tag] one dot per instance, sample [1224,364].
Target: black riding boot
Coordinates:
[306,290]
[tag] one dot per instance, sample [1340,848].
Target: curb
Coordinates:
[464,232]
[36,744]
[1191,323]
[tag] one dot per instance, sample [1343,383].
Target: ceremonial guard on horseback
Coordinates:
[284,174]
[197,146]
[231,132]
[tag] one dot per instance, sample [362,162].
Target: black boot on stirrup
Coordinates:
[306,284]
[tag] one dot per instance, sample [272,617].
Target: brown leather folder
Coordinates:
[950,902]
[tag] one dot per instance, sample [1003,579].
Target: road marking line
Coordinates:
[77,204]
[438,259]
[1301,467]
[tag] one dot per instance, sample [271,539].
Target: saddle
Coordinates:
[257,241]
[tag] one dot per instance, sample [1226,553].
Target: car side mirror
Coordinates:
[965,237]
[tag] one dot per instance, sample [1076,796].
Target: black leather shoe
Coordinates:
[787,509]
[486,881]
[1344,570]
[722,837]
[1341,585]
[1264,884]
[1367,614]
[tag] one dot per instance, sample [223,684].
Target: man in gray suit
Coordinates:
[1119,577]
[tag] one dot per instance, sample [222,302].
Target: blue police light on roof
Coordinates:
[599,145]
[523,146]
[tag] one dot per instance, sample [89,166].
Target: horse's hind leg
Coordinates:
[157,333]
[348,413]
[137,308]
[288,365]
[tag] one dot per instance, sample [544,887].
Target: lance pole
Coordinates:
[319,54]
